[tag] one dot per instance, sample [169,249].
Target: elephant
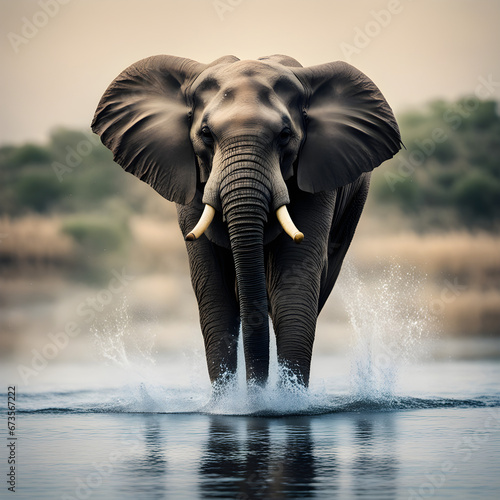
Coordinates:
[250,151]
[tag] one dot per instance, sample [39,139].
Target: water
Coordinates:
[383,420]
[438,437]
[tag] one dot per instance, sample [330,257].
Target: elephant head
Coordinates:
[236,134]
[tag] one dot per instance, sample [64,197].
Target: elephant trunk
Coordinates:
[246,233]
[247,193]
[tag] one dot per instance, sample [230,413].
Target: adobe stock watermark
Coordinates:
[86,485]
[463,450]
[222,7]
[453,117]
[87,309]
[363,37]
[31,27]
[74,156]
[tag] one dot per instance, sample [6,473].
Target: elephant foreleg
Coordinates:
[293,304]
[294,276]
[213,279]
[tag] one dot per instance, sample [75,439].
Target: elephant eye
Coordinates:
[206,136]
[284,137]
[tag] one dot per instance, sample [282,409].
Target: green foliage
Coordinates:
[406,195]
[29,154]
[477,196]
[102,241]
[74,172]
[97,234]
[74,176]
[37,190]
[451,165]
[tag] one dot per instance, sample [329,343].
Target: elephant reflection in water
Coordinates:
[242,460]
[250,151]
[249,457]
[300,457]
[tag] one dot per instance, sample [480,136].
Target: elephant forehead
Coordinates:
[254,68]
[248,75]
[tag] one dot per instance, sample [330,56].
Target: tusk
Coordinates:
[288,225]
[203,223]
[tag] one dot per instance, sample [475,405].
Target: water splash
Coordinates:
[119,342]
[388,322]
[130,350]
[153,388]
[284,397]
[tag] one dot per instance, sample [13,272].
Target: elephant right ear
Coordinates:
[144,119]
[350,127]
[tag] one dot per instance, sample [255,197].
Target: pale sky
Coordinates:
[56,64]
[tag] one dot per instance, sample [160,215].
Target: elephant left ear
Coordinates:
[143,118]
[350,128]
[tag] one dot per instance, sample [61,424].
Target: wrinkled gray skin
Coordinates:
[247,137]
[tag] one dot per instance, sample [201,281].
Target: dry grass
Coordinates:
[461,270]
[158,246]
[158,259]
[156,235]
[33,242]
[474,259]
[473,312]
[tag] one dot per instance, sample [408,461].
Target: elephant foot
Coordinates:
[293,374]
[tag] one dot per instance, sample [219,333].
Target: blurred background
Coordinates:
[85,247]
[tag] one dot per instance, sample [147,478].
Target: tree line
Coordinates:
[448,175]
